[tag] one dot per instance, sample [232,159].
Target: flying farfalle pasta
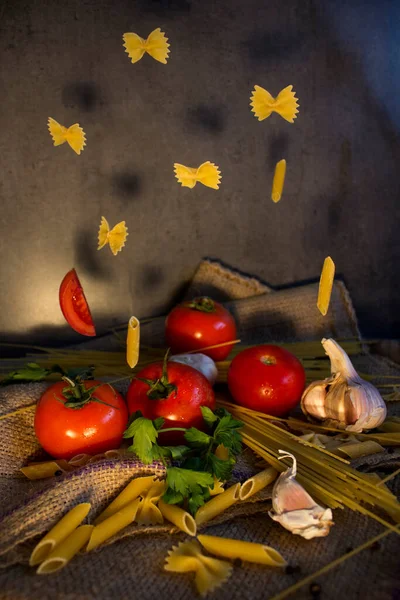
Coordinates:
[74,135]
[285,104]
[156,45]
[207,173]
[116,237]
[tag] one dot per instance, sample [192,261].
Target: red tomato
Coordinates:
[200,323]
[95,427]
[266,378]
[74,306]
[181,406]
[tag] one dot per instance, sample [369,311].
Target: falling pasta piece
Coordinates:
[208,174]
[211,573]
[116,237]
[74,135]
[133,342]
[279,180]
[285,104]
[325,285]
[156,45]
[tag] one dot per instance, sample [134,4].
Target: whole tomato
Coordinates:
[266,378]
[173,391]
[200,323]
[75,419]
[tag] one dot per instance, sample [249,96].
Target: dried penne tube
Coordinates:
[59,533]
[179,517]
[133,342]
[45,469]
[217,505]
[129,493]
[325,285]
[257,483]
[66,550]
[358,449]
[279,180]
[247,551]
[79,460]
[106,529]
[117,453]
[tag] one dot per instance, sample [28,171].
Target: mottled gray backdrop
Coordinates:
[64,59]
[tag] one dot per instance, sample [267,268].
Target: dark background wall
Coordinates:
[64,58]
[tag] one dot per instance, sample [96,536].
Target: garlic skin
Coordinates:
[294,508]
[200,362]
[343,400]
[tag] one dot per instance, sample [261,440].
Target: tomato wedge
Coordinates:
[74,305]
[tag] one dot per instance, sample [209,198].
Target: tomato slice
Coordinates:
[74,305]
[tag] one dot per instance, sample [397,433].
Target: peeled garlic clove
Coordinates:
[200,362]
[295,509]
[344,400]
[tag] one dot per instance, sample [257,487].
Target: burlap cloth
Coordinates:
[131,565]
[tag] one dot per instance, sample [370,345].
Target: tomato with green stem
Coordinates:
[200,323]
[74,306]
[173,391]
[80,416]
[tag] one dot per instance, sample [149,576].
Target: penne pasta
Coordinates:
[217,505]
[133,342]
[79,460]
[179,517]
[325,285]
[257,483]
[358,449]
[246,551]
[66,550]
[59,533]
[149,513]
[278,181]
[45,469]
[211,573]
[109,527]
[132,491]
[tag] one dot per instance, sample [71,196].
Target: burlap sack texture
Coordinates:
[132,566]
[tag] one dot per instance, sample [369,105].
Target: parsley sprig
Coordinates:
[189,483]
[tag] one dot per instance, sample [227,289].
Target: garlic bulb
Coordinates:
[199,361]
[294,508]
[343,400]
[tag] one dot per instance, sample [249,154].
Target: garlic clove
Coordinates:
[344,400]
[295,509]
[308,523]
[200,362]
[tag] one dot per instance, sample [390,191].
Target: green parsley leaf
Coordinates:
[188,482]
[172,497]
[197,500]
[158,423]
[174,452]
[31,372]
[196,438]
[227,433]
[208,416]
[144,437]
[222,469]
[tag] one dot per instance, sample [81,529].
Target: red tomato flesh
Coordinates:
[65,432]
[266,378]
[74,306]
[187,328]
[182,406]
